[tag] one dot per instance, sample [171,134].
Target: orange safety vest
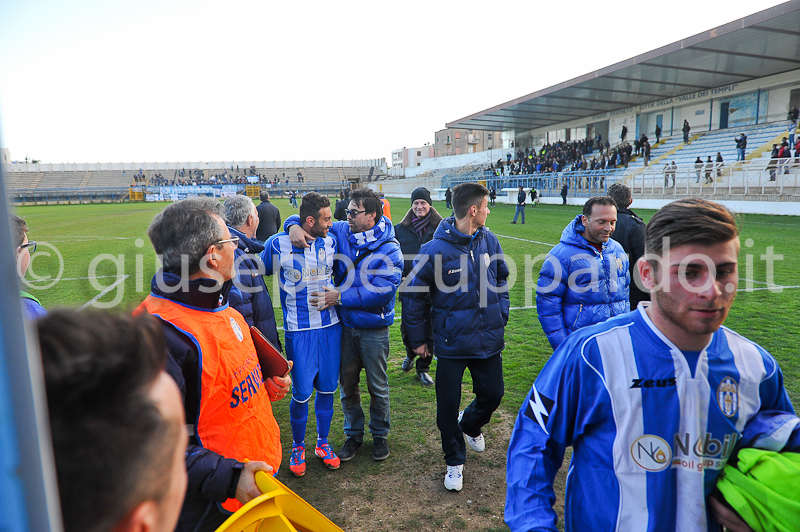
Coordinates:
[235,413]
[387,208]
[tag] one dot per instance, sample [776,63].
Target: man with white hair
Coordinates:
[249,293]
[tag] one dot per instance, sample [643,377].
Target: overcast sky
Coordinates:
[187,80]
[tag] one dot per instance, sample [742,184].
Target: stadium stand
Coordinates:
[759,138]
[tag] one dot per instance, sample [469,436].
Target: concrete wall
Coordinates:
[699,108]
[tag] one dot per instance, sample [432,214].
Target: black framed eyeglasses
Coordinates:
[352,213]
[234,240]
[31,245]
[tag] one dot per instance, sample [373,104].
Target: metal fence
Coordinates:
[758,177]
[63,195]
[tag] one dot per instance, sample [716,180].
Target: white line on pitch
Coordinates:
[776,287]
[104,292]
[525,240]
[77,278]
[773,287]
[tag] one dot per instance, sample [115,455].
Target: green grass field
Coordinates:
[107,242]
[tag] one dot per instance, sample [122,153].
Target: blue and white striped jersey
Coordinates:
[649,437]
[302,271]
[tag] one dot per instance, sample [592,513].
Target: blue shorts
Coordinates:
[316,354]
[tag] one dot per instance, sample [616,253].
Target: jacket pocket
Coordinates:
[575,323]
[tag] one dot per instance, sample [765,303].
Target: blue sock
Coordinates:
[298,414]
[323,407]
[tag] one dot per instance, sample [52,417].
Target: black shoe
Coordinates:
[348,450]
[513,222]
[408,363]
[425,378]
[380,449]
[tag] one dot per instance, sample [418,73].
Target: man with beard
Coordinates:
[417,228]
[313,336]
[652,402]
[584,279]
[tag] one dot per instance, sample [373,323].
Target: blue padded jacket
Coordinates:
[466,323]
[580,286]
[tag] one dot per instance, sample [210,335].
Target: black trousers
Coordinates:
[488,387]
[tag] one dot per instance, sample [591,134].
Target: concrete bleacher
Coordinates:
[708,144]
[118,178]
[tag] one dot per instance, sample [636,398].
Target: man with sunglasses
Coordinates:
[212,358]
[30,305]
[367,275]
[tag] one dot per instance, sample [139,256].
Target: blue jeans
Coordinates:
[740,156]
[367,349]
[520,209]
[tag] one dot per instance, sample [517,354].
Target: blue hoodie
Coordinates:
[580,286]
[463,325]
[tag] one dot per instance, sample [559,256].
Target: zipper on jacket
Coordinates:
[580,309]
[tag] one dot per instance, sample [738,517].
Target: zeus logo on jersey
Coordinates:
[539,408]
[652,453]
[651,383]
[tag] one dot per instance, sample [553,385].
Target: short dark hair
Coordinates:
[312,203]
[466,195]
[264,195]
[108,435]
[689,221]
[369,200]
[621,195]
[185,229]
[597,200]
[18,228]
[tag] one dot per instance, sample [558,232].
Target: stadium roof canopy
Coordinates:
[756,46]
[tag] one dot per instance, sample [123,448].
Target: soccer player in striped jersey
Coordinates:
[652,402]
[312,336]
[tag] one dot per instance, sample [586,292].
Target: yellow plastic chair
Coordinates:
[279,509]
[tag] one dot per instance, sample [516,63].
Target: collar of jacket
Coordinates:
[435,218]
[189,292]
[573,236]
[447,231]
[245,244]
[628,212]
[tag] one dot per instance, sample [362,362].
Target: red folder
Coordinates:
[272,362]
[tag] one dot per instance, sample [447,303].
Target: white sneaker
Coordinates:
[454,479]
[477,444]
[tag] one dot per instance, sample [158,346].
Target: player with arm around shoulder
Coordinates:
[313,334]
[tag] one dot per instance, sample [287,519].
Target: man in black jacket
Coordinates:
[741,145]
[270,219]
[629,232]
[417,227]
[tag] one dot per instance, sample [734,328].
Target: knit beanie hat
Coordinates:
[421,193]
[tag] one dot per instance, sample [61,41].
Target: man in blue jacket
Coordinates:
[367,273]
[585,278]
[468,325]
[249,293]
